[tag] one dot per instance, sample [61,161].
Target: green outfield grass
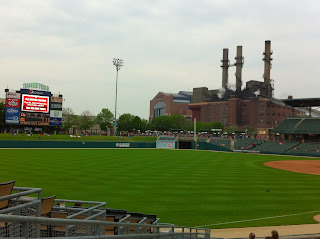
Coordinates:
[93,138]
[190,188]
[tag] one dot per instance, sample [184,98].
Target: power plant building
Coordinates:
[253,106]
[240,107]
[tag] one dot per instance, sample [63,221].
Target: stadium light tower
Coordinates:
[118,63]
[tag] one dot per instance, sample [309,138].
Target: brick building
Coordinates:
[171,103]
[251,106]
[256,112]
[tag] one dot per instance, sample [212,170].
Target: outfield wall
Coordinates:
[73,144]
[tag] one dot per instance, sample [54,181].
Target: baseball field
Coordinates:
[190,188]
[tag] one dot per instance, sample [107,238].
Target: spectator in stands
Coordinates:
[274,234]
[252,235]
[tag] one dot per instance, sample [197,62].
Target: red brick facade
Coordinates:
[255,112]
[170,107]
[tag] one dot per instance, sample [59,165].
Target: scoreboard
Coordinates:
[34,119]
[33,107]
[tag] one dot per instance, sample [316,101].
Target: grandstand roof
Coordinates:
[302,102]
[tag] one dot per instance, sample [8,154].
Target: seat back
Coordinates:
[5,189]
[46,205]
[110,230]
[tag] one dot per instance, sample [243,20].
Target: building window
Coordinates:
[261,112]
[261,121]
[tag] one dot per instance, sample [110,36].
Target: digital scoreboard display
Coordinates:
[34,118]
[35,103]
[33,107]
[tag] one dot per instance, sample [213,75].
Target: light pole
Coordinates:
[118,63]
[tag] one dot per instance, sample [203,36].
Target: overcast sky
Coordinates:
[166,45]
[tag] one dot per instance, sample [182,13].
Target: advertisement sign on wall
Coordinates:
[55,121]
[56,106]
[56,99]
[12,115]
[55,114]
[35,103]
[11,102]
[35,92]
[13,95]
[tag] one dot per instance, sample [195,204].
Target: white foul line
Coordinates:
[256,219]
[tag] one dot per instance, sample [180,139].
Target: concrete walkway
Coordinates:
[266,231]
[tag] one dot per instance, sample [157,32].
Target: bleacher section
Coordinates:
[21,216]
[241,144]
[287,126]
[299,126]
[308,126]
[274,147]
[225,143]
[310,148]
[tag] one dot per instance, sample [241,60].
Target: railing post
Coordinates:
[25,229]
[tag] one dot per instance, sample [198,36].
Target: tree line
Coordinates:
[129,122]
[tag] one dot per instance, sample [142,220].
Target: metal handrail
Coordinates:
[27,220]
[43,220]
[32,191]
[28,204]
[86,210]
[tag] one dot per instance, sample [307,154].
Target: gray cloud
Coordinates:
[166,46]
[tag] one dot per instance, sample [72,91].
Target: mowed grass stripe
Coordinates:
[183,187]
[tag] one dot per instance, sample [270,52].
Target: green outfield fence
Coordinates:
[73,144]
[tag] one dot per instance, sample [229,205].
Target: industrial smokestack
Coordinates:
[225,66]
[239,64]
[267,68]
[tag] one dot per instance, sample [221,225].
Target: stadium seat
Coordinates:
[151,218]
[46,209]
[114,215]
[136,217]
[46,206]
[5,189]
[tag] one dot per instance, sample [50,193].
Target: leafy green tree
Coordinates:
[145,125]
[69,119]
[136,123]
[2,116]
[125,122]
[85,120]
[177,121]
[161,123]
[104,119]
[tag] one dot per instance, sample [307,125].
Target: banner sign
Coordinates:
[13,95]
[37,86]
[55,121]
[33,103]
[55,114]
[56,99]
[123,145]
[13,102]
[12,115]
[165,144]
[55,106]
[35,92]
